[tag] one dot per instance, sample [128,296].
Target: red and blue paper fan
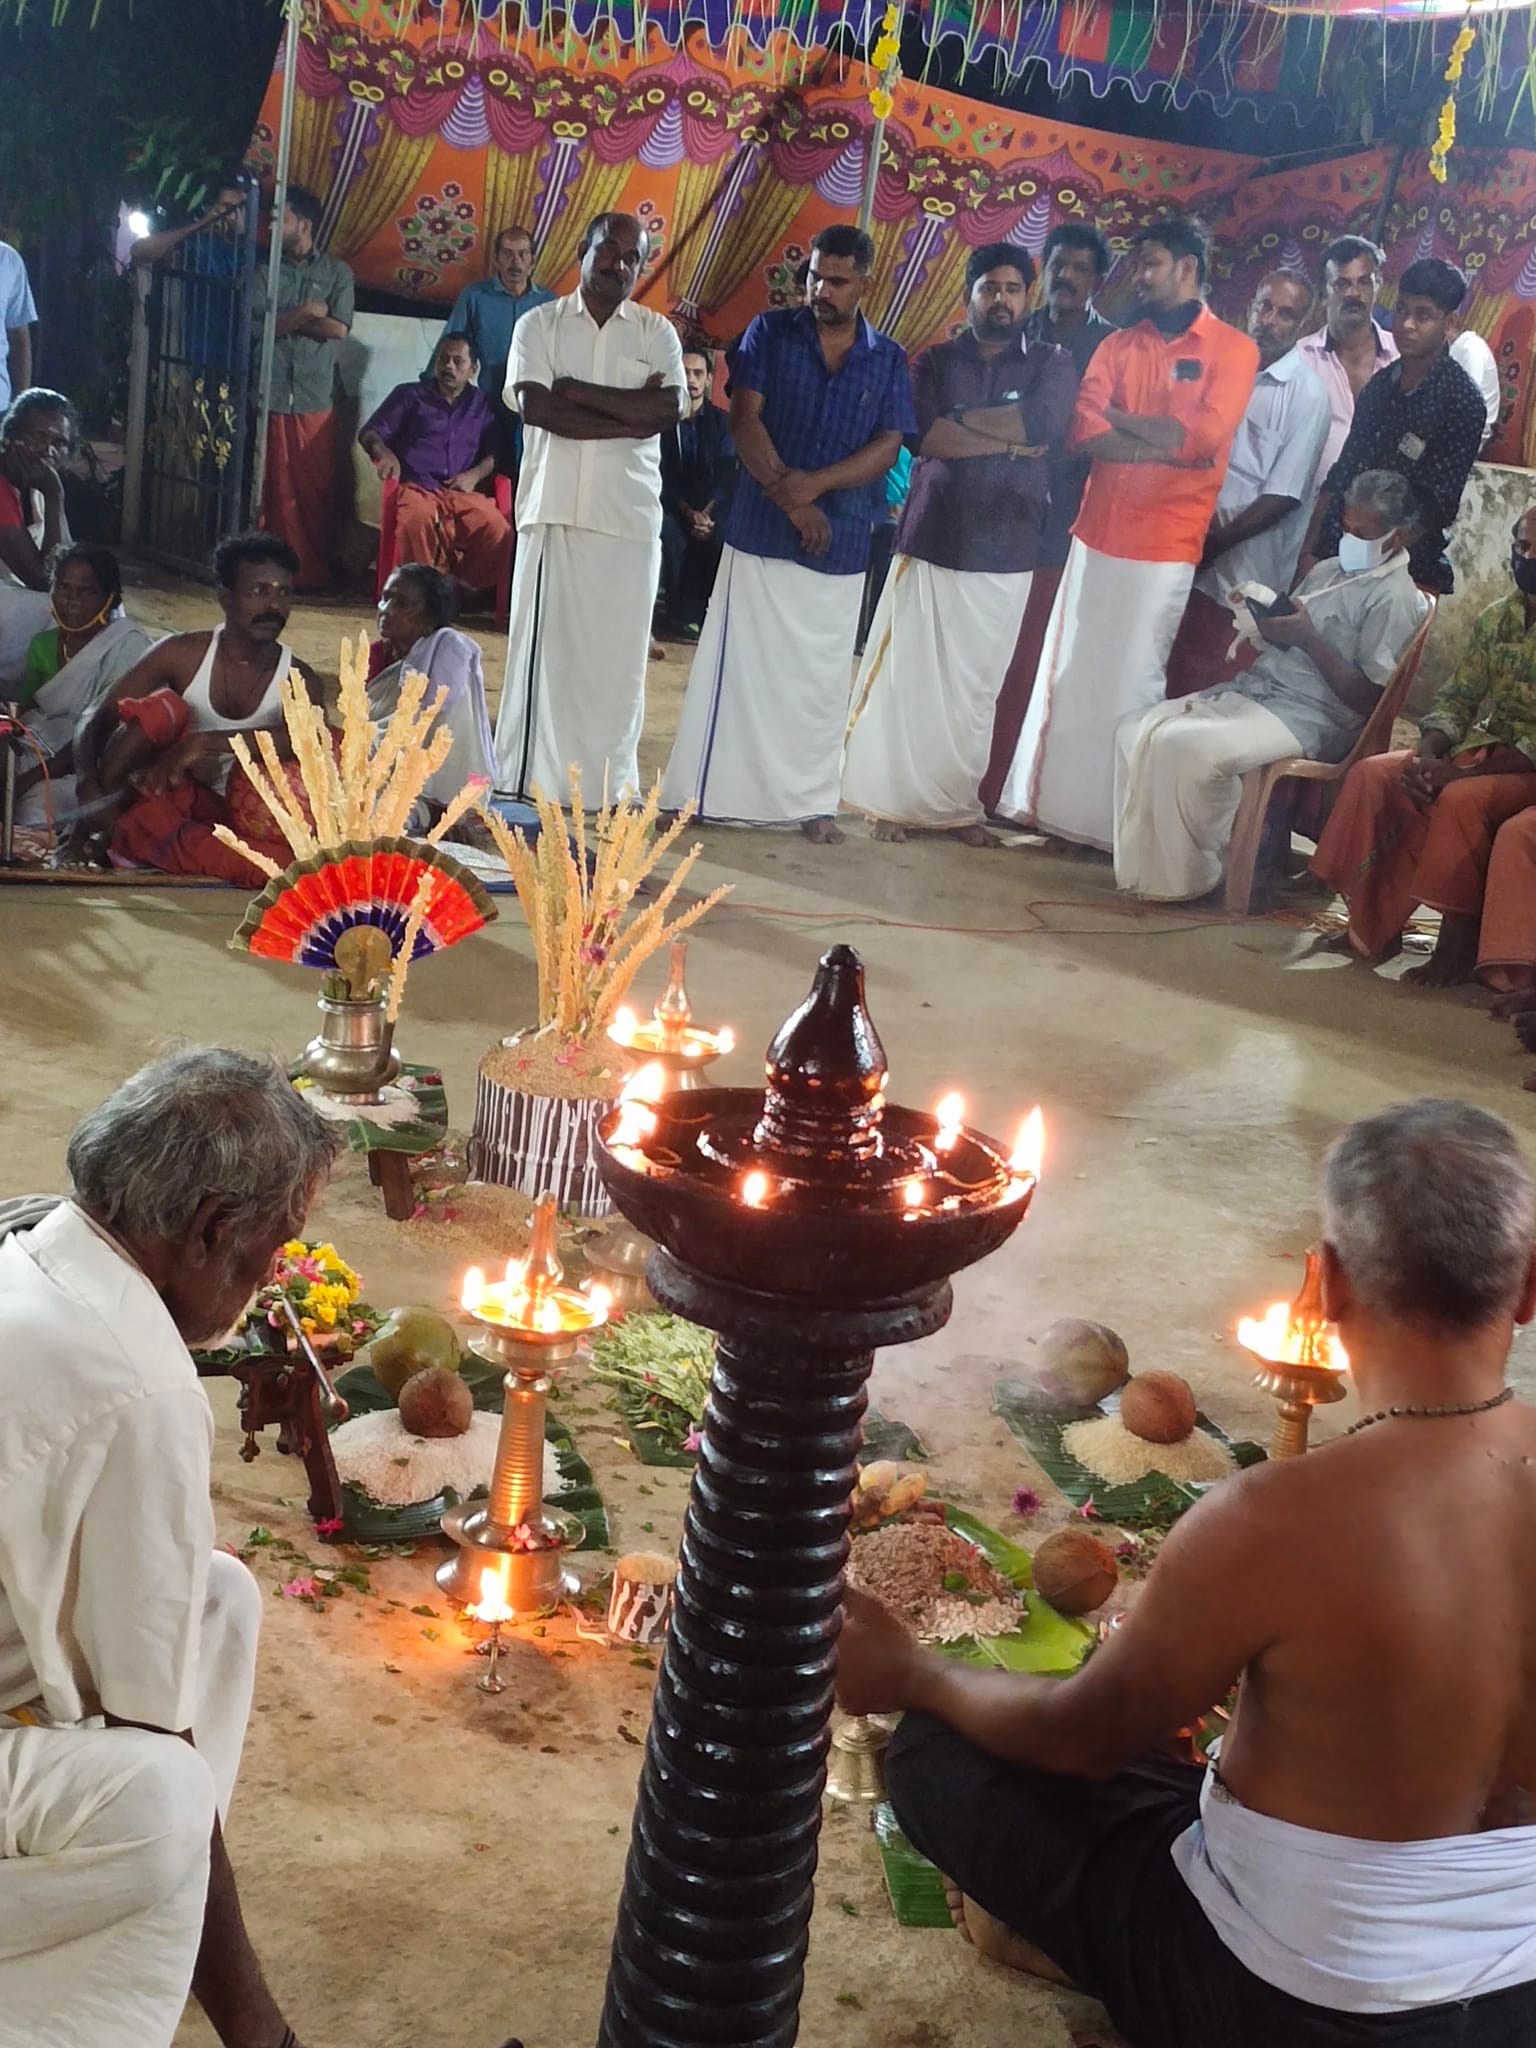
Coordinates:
[303,912]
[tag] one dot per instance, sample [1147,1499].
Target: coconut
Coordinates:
[436,1403]
[1075,1571]
[1158,1407]
[408,1341]
[1079,1363]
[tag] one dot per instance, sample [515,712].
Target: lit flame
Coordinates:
[473,1291]
[1285,1339]
[636,1123]
[1029,1149]
[725,1039]
[548,1317]
[951,1115]
[600,1297]
[512,1279]
[625,1024]
[646,1084]
[912,1194]
[754,1189]
[492,1604]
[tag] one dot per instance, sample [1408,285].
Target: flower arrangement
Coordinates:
[590,938]
[1445,135]
[324,1292]
[885,59]
[659,1367]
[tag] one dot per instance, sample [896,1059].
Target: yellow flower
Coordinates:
[891,22]
[885,53]
[1459,50]
[881,103]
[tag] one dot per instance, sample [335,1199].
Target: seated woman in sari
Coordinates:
[416,631]
[69,669]
[36,436]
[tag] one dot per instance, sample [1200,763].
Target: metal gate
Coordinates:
[190,388]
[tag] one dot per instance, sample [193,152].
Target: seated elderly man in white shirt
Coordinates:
[1332,648]
[597,380]
[127,1643]
[1266,498]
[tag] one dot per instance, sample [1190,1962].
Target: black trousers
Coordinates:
[1082,1869]
[687,572]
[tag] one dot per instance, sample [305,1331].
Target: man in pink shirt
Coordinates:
[1350,347]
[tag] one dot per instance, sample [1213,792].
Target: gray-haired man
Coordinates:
[127,1643]
[1332,648]
[1360,1866]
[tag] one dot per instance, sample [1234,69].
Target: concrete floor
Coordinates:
[424,1865]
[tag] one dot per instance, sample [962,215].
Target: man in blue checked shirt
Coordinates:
[820,403]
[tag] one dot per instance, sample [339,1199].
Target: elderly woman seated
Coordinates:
[69,668]
[36,436]
[416,632]
[1331,648]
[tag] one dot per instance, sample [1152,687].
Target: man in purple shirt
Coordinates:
[436,439]
[991,406]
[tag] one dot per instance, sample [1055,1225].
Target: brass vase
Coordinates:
[353,1057]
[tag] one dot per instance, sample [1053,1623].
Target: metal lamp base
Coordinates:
[534,1580]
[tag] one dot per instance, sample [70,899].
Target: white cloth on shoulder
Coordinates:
[55,714]
[450,661]
[578,643]
[934,661]
[1105,656]
[760,739]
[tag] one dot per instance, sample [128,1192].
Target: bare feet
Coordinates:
[822,831]
[976,835]
[994,1939]
[1454,957]
[888,831]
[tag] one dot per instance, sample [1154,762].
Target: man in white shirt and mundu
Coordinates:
[127,1642]
[597,380]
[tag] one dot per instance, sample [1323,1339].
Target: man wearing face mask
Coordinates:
[1419,828]
[1327,656]
[989,407]
[1261,516]
[127,1641]
[1421,415]
[1156,413]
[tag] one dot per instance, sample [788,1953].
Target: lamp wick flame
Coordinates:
[754,1189]
[492,1604]
[473,1291]
[1029,1147]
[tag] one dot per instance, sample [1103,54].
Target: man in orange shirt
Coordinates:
[1157,410]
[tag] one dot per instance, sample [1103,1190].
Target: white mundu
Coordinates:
[1105,656]
[921,728]
[760,740]
[112,1601]
[588,559]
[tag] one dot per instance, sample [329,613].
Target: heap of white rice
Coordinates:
[1107,1447]
[378,1454]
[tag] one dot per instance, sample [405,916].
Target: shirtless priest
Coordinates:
[156,770]
[127,1642]
[1360,1865]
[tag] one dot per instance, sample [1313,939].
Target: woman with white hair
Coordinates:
[1330,649]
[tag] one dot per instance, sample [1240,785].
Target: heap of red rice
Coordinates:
[905,1564]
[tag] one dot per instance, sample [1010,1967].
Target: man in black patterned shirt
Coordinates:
[1422,416]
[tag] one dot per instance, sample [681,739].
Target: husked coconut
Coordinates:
[1077,1364]
[1158,1407]
[1075,1571]
[436,1403]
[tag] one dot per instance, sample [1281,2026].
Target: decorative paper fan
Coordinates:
[304,915]
[360,900]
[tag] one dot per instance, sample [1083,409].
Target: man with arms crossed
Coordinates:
[1360,1866]
[597,380]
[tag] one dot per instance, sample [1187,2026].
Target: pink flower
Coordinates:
[1026,1502]
[1087,1512]
[300,1589]
[331,1526]
[692,1440]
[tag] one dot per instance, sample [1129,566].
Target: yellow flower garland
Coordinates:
[1445,136]
[885,58]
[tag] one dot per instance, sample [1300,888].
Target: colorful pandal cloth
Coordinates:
[1386,857]
[760,739]
[577,648]
[926,691]
[1106,650]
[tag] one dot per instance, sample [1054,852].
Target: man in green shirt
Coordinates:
[1412,828]
[314,312]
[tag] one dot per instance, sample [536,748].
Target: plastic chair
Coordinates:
[1324,777]
[389,519]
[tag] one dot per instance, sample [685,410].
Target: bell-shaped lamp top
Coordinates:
[826,1072]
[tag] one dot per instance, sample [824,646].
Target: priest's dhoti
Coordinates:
[1106,649]
[577,646]
[1178,781]
[104,1837]
[760,740]
[923,704]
